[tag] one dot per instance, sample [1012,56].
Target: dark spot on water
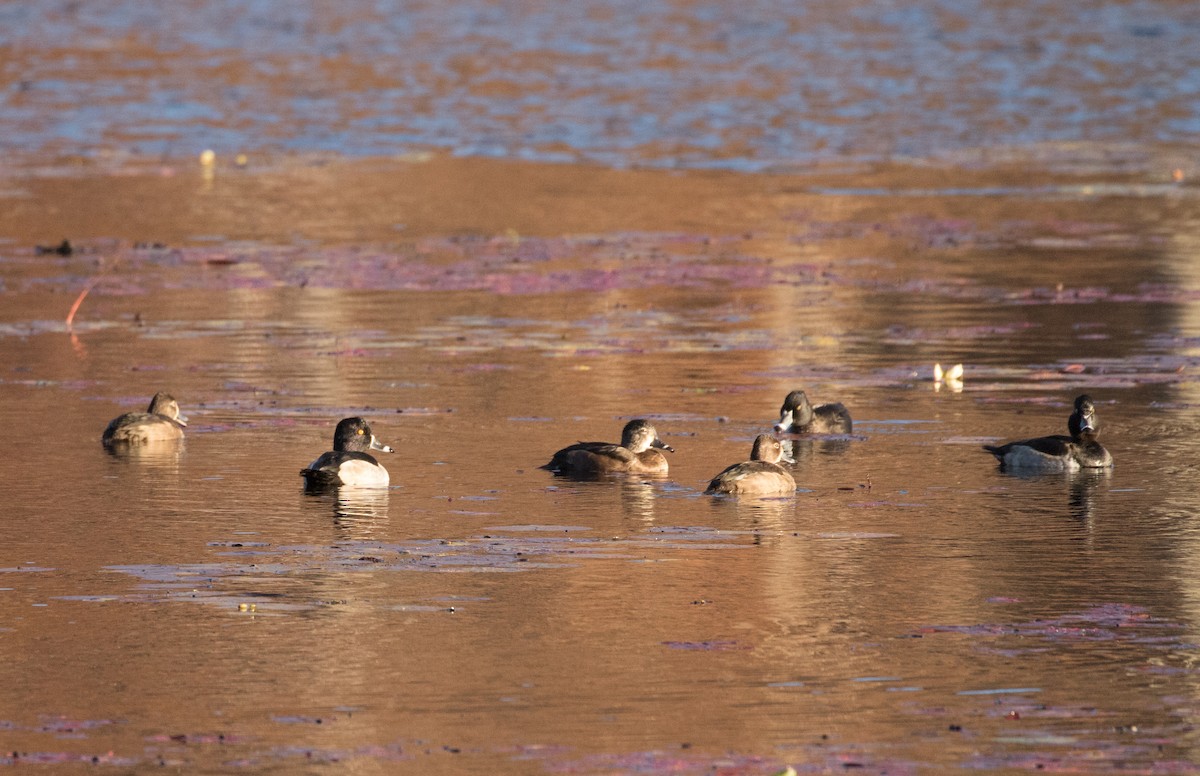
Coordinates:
[64,248]
[1147,30]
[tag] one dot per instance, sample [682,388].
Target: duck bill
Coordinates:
[1087,423]
[380,446]
[785,421]
[181,420]
[661,445]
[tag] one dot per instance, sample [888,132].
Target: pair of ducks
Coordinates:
[350,461]
[638,453]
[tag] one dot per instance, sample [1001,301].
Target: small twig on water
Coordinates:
[78,301]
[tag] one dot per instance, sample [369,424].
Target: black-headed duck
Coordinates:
[1059,453]
[161,422]
[349,463]
[637,453]
[798,416]
[760,476]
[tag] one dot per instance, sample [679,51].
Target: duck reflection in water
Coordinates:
[637,499]
[1082,487]
[357,512]
[805,448]
[1058,453]
[165,455]
[764,516]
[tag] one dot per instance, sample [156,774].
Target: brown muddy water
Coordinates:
[911,608]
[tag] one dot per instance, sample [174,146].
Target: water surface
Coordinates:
[910,607]
[745,86]
[1009,186]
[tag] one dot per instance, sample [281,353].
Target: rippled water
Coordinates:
[910,609]
[744,85]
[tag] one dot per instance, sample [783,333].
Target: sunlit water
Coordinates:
[744,85]
[910,609]
[911,606]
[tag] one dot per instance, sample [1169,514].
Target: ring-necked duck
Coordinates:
[161,422]
[760,476]
[798,416]
[1059,453]
[349,463]
[636,454]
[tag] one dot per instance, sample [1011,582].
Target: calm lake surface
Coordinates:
[484,295]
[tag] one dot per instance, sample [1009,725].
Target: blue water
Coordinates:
[747,85]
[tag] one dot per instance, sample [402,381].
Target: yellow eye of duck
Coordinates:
[360,432]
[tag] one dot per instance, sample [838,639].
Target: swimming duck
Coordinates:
[636,454]
[798,416]
[1059,453]
[161,422]
[349,463]
[760,476]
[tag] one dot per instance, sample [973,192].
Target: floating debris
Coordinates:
[78,301]
[951,378]
[64,248]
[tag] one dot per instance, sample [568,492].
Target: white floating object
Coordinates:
[952,377]
[208,157]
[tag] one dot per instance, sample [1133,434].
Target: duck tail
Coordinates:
[318,478]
